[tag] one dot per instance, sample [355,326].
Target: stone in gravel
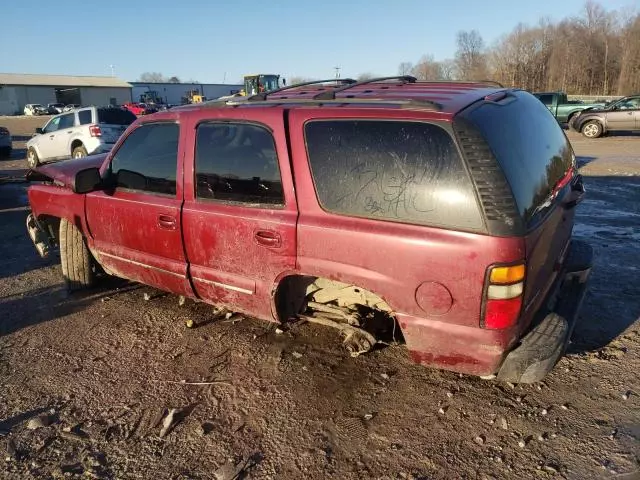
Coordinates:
[504,424]
[384,376]
[544,411]
[12,451]
[626,395]
[550,469]
[542,437]
[368,416]
[564,407]
[279,331]
[147,297]
[524,442]
[39,422]
[480,439]
[443,410]
[449,394]
[511,385]
[296,354]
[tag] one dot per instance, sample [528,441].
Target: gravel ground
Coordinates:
[86,379]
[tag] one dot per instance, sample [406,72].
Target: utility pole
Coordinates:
[337,69]
[112,67]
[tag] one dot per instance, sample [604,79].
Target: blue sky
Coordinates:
[217,39]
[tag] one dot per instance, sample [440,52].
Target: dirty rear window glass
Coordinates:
[115,116]
[400,171]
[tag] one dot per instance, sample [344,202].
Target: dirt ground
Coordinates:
[85,379]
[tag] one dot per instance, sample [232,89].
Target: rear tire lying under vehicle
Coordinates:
[77,262]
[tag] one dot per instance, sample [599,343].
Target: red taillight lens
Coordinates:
[502,313]
[94,131]
[503,295]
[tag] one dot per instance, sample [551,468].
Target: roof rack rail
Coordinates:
[263,96]
[483,82]
[331,95]
[431,105]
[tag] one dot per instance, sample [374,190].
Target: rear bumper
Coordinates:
[479,351]
[542,347]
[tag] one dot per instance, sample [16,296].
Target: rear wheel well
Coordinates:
[303,296]
[75,144]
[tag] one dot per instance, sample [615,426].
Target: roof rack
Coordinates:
[330,95]
[263,96]
[410,103]
[481,82]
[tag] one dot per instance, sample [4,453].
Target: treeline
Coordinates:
[594,53]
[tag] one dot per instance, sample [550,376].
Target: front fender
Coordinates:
[59,202]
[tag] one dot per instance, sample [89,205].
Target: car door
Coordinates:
[623,115]
[135,226]
[61,142]
[240,212]
[45,141]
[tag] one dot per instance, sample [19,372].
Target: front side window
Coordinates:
[629,104]
[400,171]
[52,126]
[147,160]
[237,162]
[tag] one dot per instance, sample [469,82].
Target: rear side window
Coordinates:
[400,171]
[530,147]
[84,117]
[147,160]
[66,121]
[115,116]
[237,162]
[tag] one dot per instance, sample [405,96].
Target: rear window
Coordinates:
[530,147]
[399,171]
[115,116]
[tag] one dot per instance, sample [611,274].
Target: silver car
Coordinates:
[76,134]
[620,115]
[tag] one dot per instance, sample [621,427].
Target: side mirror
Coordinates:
[39,131]
[87,180]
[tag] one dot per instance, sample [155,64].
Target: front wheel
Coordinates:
[79,152]
[32,158]
[592,129]
[77,262]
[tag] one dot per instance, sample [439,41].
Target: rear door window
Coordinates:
[115,116]
[237,162]
[530,147]
[399,171]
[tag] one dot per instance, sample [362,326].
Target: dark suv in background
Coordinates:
[432,206]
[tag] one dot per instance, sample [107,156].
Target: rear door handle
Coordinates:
[268,238]
[167,222]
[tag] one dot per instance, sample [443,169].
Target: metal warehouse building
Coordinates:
[18,90]
[173,93]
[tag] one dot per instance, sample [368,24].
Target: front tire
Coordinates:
[592,129]
[76,260]
[79,152]
[32,158]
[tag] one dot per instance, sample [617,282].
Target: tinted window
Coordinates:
[147,159]
[66,121]
[401,171]
[84,117]
[115,116]
[546,98]
[533,160]
[238,163]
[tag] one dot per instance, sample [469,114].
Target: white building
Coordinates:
[17,90]
[173,93]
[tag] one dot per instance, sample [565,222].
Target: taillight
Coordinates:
[94,131]
[503,300]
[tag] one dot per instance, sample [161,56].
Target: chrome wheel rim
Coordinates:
[31,158]
[591,130]
[78,155]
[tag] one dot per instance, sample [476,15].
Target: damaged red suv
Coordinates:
[432,206]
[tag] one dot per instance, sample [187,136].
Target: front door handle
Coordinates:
[51,136]
[167,222]
[268,238]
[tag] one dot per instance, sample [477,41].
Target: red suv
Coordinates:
[432,206]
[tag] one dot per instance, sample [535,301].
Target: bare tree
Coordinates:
[152,77]
[174,79]
[405,68]
[365,76]
[296,80]
[470,58]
